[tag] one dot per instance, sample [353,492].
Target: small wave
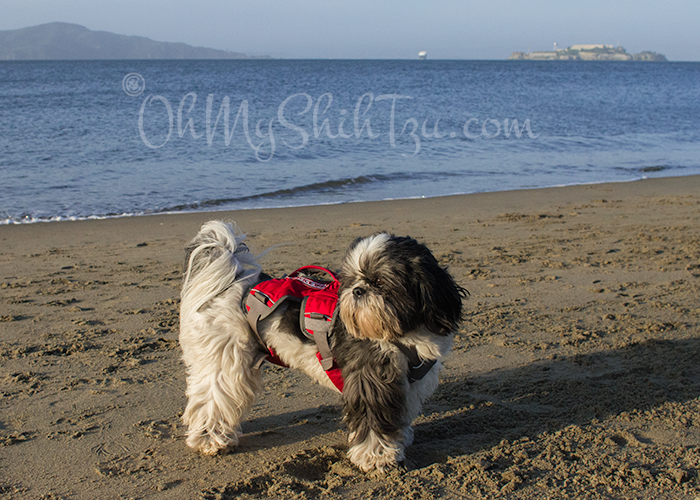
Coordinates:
[645,169]
[315,188]
[654,168]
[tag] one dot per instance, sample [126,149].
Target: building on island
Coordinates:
[587,52]
[590,47]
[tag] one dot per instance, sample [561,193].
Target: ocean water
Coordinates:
[90,139]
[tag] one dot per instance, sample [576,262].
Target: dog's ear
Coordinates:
[440,299]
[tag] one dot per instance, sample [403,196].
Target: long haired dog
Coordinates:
[398,311]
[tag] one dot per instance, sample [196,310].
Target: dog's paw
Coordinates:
[209,445]
[376,453]
[369,461]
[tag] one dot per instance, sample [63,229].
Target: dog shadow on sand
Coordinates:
[469,414]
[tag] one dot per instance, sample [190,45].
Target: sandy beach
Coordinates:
[575,375]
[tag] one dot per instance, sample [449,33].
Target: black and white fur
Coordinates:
[392,291]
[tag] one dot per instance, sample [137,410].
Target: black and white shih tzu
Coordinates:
[396,316]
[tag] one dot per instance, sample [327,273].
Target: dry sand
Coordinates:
[575,375]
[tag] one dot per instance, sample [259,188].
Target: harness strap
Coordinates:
[417,366]
[259,359]
[335,374]
[315,268]
[324,349]
[258,311]
[320,326]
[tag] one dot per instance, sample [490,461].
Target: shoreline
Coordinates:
[575,371]
[483,204]
[9,222]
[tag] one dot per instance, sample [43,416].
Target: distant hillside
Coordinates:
[72,41]
[588,53]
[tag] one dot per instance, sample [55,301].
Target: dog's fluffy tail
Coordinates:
[215,259]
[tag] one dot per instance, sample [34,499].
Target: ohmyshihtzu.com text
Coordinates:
[300,119]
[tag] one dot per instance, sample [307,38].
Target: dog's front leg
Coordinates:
[374,400]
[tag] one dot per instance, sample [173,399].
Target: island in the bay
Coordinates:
[593,52]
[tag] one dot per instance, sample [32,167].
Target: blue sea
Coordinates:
[94,139]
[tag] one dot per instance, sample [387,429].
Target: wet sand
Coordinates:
[576,373]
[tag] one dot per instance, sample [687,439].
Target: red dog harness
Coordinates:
[318,298]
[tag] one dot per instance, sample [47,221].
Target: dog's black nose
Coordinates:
[358,291]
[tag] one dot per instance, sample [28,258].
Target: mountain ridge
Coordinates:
[68,41]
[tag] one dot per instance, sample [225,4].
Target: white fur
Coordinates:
[428,346]
[368,246]
[376,453]
[219,347]
[221,386]
[294,353]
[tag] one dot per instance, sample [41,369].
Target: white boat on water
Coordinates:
[422,55]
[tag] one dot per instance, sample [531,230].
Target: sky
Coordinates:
[382,29]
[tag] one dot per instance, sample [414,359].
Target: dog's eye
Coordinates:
[358,291]
[377,283]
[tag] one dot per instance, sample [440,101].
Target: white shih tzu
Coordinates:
[397,311]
